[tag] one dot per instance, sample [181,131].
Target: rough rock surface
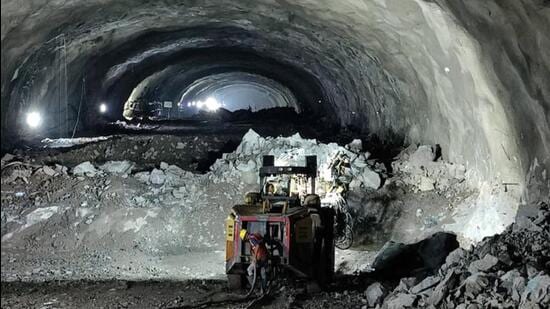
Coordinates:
[448,72]
[509,270]
[375,294]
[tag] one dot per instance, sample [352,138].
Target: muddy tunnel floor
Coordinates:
[155,294]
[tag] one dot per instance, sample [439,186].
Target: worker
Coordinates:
[270,189]
[258,252]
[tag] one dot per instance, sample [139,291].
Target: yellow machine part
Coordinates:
[229,237]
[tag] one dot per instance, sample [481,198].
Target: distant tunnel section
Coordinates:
[230,91]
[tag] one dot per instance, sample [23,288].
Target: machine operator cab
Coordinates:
[287,185]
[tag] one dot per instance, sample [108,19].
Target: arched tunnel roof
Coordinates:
[226,85]
[192,65]
[472,76]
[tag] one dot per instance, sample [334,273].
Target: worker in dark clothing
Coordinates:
[258,252]
[269,189]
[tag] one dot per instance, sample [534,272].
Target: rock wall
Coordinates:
[469,76]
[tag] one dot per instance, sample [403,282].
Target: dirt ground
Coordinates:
[107,294]
[174,294]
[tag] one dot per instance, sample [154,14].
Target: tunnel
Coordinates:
[153,88]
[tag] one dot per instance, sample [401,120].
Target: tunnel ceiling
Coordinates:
[470,75]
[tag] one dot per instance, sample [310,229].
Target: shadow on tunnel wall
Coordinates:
[375,215]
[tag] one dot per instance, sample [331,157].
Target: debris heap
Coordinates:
[164,220]
[509,270]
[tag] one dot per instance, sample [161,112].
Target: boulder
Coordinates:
[7,158]
[48,170]
[180,145]
[61,169]
[399,301]
[518,286]
[397,260]
[423,155]
[360,162]
[405,284]
[247,167]
[355,184]
[142,176]
[426,184]
[370,179]
[180,193]
[484,265]
[356,145]
[537,292]
[375,294]
[508,279]
[455,257]
[250,141]
[443,287]
[175,176]
[475,284]
[118,167]
[425,284]
[85,168]
[157,177]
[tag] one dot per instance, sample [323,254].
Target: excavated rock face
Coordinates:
[471,76]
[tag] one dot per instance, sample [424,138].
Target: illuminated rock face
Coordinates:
[471,76]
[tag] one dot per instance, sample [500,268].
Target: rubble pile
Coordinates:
[146,151]
[423,169]
[509,270]
[246,160]
[99,220]
[164,220]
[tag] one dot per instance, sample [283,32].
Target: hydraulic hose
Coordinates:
[253,283]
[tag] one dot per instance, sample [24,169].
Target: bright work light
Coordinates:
[34,119]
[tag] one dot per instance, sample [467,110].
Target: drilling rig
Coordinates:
[298,232]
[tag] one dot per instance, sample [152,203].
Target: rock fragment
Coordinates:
[399,301]
[356,145]
[425,284]
[485,264]
[537,292]
[7,158]
[180,145]
[475,284]
[118,167]
[157,177]
[85,168]
[375,293]
[48,170]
